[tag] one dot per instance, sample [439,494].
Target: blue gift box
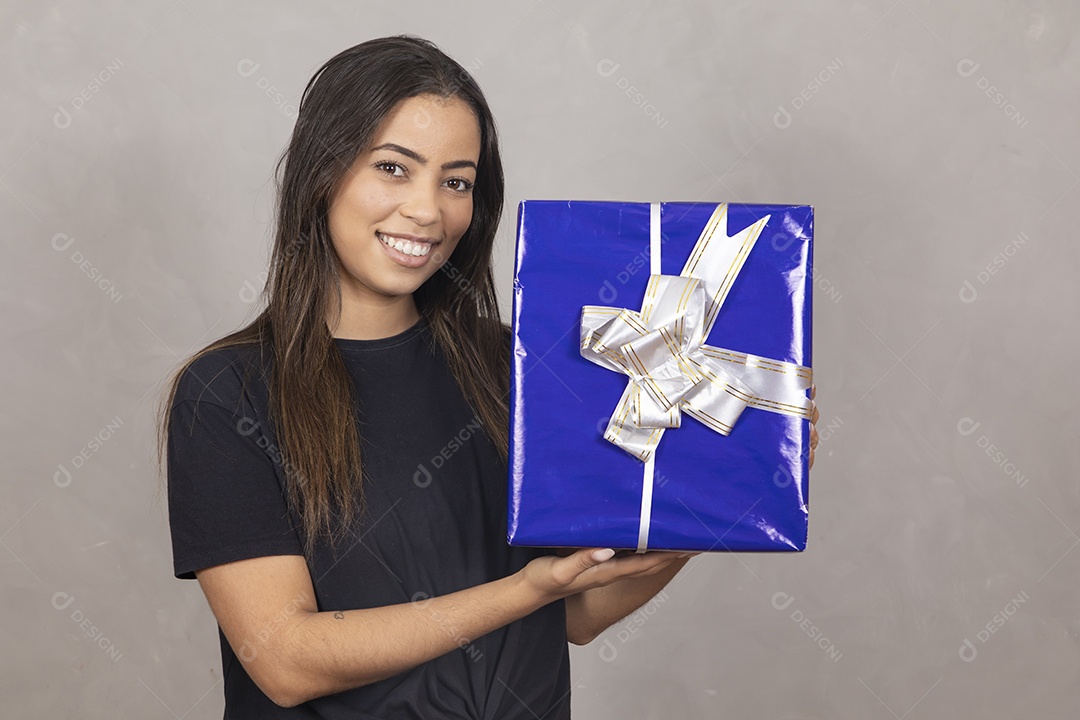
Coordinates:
[736,485]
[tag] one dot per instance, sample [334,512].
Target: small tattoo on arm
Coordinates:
[339,615]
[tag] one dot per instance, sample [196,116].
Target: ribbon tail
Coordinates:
[778,386]
[640,442]
[717,260]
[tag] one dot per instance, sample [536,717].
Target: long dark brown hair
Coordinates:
[311,394]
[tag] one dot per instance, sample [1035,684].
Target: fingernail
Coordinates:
[602,555]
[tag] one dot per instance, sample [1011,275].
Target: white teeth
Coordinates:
[407,247]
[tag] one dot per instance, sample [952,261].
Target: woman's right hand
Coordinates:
[554,577]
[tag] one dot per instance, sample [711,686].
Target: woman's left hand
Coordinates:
[813,421]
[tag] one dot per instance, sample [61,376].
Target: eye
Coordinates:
[460,185]
[390,168]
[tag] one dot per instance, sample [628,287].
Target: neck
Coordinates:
[373,319]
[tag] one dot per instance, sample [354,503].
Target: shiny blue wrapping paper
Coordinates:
[568,486]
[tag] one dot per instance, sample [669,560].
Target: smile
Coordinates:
[416,248]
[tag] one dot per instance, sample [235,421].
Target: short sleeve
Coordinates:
[225,500]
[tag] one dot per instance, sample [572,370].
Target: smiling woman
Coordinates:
[337,469]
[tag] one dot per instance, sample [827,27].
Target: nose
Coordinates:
[420,204]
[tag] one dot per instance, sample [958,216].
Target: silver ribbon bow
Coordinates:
[662,348]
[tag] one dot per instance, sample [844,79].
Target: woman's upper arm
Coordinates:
[226,502]
[257,603]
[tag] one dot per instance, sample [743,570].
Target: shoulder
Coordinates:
[223,376]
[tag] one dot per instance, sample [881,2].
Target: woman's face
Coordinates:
[399,212]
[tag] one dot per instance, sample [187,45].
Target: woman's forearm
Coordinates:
[299,653]
[328,652]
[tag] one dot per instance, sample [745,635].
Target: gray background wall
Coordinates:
[934,140]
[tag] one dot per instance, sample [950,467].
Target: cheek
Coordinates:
[368,205]
[460,218]
[352,216]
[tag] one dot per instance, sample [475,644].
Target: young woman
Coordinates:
[337,469]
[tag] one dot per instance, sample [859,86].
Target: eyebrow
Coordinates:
[452,165]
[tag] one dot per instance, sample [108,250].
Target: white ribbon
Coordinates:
[662,349]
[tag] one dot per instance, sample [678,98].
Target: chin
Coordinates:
[403,289]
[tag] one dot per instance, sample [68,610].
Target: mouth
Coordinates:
[408,246]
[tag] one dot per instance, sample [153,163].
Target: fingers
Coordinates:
[558,577]
[651,561]
[815,415]
[624,564]
[599,556]
[587,558]
[629,564]
[644,564]
[564,571]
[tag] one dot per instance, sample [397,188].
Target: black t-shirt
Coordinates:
[435,523]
